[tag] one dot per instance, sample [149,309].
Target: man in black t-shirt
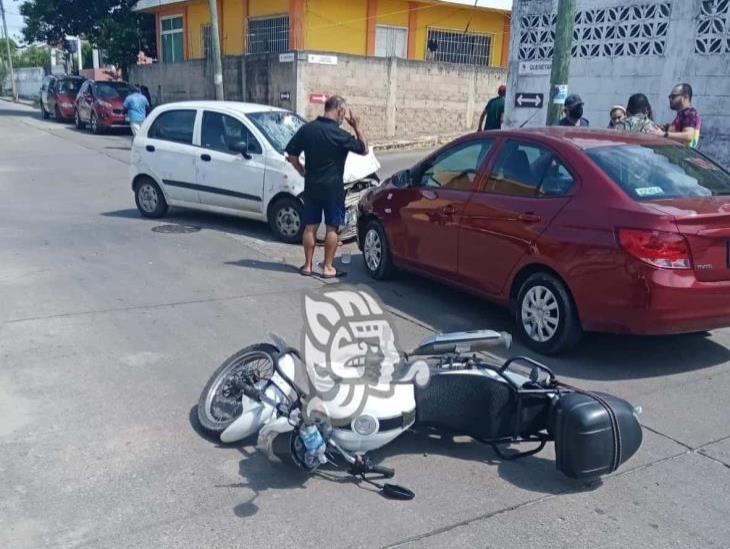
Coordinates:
[325,146]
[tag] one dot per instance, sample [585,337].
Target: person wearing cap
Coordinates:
[616,115]
[493,113]
[573,112]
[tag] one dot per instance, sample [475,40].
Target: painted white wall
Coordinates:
[606,81]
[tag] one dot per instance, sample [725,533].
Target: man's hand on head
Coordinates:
[352,120]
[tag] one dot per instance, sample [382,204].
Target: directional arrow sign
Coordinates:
[530,100]
[318,98]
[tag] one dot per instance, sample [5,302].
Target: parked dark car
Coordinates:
[100,105]
[572,229]
[58,96]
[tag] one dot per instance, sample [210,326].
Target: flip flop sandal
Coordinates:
[338,274]
[304,273]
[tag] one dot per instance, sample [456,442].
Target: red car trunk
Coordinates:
[705,223]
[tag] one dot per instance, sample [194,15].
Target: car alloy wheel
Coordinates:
[94,127]
[148,198]
[373,250]
[288,221]
[540,314]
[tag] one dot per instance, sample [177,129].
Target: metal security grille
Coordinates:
[206,41]
[268,35]
[465,48]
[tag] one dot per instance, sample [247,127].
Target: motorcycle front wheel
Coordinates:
[221,401]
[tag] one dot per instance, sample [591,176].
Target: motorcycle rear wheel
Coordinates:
[221,403]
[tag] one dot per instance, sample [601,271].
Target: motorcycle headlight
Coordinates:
[365,425]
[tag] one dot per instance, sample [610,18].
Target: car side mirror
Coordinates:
[403,179]
[241,147]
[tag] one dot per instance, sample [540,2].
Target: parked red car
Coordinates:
[58,96]
[572,229]
[100,104]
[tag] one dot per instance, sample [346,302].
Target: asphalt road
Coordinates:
[109,330]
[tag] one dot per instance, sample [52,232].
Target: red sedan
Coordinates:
[574,230]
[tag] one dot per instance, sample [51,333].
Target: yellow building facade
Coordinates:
[440,31]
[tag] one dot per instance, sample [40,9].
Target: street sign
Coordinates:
[286,57]
[318,98]
[529,99]
[322,59]
[535,68]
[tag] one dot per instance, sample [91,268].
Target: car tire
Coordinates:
[286,219]
[376,252]
[94,124]
[44,113]
[149,198]
[546,317]
[80,125]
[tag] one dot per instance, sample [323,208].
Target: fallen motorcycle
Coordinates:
[261,390]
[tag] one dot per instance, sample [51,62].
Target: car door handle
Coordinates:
[150,148]
[205,157]
[529,217]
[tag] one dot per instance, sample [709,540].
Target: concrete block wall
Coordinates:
[396,98]
[362,81]
[606,81]
[399,99]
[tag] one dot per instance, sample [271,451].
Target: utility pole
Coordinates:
[561,57]
[7,49]
[215,46]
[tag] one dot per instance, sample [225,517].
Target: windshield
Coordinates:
[111,90]
[277,126]
[660,172]
[69,86]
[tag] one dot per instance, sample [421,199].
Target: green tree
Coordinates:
[3,47]
[32,56]
[110,25]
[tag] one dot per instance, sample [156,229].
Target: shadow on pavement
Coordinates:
[205,220]
[602,357]
[264,265]
[532,473]
[20,113]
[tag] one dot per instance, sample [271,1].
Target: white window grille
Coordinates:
[206,41]
[268,35]
[391,41]
[465,48]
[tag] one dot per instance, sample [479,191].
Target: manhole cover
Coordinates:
[176,229]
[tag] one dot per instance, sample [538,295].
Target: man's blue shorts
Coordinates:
[332,208]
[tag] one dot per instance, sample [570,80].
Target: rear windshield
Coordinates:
[660,172]
[110,90]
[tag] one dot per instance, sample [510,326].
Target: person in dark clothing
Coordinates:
[493,113]
[325,146]
[574,112]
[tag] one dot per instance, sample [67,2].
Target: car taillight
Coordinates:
[657,248]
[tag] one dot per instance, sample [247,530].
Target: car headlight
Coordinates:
[365,425]
[67,105]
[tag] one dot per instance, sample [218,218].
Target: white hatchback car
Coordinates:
[228,157]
